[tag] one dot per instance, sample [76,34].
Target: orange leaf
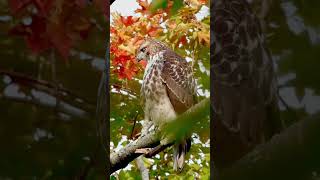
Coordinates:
[113,30]
[153,31]
[145,7]
[143,63]
[129,20]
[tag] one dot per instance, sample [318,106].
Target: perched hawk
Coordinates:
[244,93]
[168,89]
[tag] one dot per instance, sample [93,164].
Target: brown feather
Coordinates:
[243,81]
[169,75]
[175,76]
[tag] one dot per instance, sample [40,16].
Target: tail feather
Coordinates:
[180,151]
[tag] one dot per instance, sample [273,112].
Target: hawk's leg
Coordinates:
[157,150]
[150,152]
[146,127]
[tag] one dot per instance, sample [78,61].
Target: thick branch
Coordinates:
[62,107]
[292,154]
[43,85]
[125,155]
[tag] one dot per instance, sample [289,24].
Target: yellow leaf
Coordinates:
[204,38]
[128,48]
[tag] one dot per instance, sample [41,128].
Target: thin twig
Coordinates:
[288,108]
[54,78]
[134,124]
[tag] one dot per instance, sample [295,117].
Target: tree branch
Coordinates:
[62,107]
[24,79]
[127,154]
[292,154]
[152,139]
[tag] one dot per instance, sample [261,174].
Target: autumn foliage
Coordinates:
[54,24]
[128,32]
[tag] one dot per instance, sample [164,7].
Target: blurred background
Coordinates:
[293,33]
[292,30]
[52,57]
[51,61]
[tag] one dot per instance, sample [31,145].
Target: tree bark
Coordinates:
[293,154]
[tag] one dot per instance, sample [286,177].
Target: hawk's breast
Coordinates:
[157,105]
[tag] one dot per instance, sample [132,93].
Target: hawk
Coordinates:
[168,89]
[244,97]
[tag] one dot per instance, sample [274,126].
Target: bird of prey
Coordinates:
[168,89]
[244,94]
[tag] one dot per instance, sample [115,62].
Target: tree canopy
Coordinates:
[52,55]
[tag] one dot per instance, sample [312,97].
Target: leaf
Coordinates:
[42,6]
[103,6]
[177,4]
[18,5]
[60,39]
[204,38]
[129,48]
[158,4]
[129,20]
[183,40]
[35,34]
[145,7]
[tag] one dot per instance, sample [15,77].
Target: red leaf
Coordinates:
[37,38]
[37,44]
[120,60]
[183,40]
[113,49]
[143,63]
[18,5]
[145,6]
[60,39]
[129,20]
[103,6]
[81,3]
[34,34]
[153,31]
[43,6]
[113,30]
[203,1]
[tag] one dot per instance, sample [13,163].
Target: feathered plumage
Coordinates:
[244,93]
[168,89]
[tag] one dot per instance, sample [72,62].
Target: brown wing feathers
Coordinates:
[175,76]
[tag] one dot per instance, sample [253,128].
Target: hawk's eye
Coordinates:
[143,49]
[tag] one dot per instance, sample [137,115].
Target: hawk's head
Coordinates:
[148,48]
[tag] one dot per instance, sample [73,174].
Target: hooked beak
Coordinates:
[139,57]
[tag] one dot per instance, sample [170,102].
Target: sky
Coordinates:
[127,8]
[124,7]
